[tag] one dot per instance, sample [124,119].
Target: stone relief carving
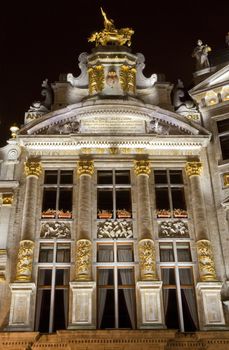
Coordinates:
[69,127]
[55,230]
[157,128]
[13,154]
[147,260]
[47,93]
[173,229]
[83,259]
[115,229]
[206,261]
[25,261]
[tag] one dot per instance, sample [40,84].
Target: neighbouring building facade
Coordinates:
[114,212]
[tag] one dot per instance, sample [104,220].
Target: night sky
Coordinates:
[41,39]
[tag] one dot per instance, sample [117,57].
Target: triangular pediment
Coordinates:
[219,78]
[112,119]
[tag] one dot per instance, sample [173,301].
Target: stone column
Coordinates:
[7,201]
[208,289]
[82,313]
[149,289]
[23,291]
[25,255]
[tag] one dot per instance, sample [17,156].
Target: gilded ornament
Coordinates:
[83,259]
[111,35]
[96,79]
[206,261]
[142,167]
[193,168]
[226,180]
[112,78]
[147,260]
[7,199]
[113,150]
[25,261]
[128,78]
[32,168]
[85,167]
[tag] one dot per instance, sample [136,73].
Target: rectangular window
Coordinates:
[169,191]
[178,285]
[223,132]
[53,285]
[57,194]
[116,286]
[114,194]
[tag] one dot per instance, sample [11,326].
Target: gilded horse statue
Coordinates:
[111,35]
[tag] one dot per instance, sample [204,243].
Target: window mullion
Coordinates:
[114,194]
[170,193]
[51,316]
[58,192]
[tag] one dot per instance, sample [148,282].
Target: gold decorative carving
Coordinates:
[32,168]
[193,168]
[226,180]
[7,199]
[96,79]
[111,35]
[147,260]
[85,167]
[113,150]
[206,261]
[83,259]
[142,167]
[25,261]
[128,78]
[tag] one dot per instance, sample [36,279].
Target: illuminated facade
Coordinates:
[114,209]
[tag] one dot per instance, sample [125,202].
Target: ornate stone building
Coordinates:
[114,211]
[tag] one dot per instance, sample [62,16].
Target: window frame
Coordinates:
[220,136]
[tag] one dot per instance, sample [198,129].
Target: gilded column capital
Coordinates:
[85,167]
[193,168]
[7,199]
[147,260]
[96,79]
[142,167]
[206,260]
[25,261]
[83,259]
[32,168]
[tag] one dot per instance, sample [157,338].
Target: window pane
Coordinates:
[63,253]
[189,310]
[105,201]
[49,199]
[168,276]
[60,309]
[166,252]
[178,198]
[125,253]
[160,177]
[104,177]
[162,198]
[122,177]
[50,177]
[46,253]
[44,277]
[224,141]
[106,310]
[123,203]
[65,199]
[186,277]
[105,277]
[223,125]
[126,308]
[43,309]
[105,253]
[171,308]
[66,177]
[62,277]
[183,252]
[176,177]
[125,277]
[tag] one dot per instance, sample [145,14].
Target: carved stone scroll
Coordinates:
[83,259]
[115,229]
[147,261]
[25,261]
[206,261]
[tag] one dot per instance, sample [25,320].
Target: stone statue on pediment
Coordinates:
[200,53]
